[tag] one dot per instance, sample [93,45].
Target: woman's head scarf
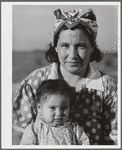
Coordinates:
[73,18]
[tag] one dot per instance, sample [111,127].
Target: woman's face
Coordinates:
[74,50]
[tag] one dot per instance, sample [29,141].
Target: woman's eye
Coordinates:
[81,46]
[65,45]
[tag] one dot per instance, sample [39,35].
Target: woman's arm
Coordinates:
[23,111]
[109,110]
[82,138]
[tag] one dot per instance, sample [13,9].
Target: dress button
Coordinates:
[84,90]
[94,114]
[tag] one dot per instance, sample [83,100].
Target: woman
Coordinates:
[72,49]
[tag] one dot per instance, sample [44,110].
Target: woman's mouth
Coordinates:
[74,63]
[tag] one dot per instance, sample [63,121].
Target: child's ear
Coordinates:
[39,107]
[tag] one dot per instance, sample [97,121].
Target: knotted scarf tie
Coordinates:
[72,18]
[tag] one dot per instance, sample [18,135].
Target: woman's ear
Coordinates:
[92,49]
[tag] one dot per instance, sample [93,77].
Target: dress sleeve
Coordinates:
[24,111]
[29,137]
[81,137]
[109,106]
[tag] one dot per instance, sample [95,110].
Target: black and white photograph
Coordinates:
[61,75]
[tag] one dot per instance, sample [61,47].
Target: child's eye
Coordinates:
[52,108]
[65,108]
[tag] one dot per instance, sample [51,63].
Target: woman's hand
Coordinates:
[108,141]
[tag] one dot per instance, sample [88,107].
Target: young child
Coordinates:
[51,126]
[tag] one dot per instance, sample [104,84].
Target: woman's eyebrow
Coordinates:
[83,43]
[64,43]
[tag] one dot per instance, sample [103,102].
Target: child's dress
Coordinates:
[40,133]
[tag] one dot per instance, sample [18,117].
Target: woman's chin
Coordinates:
[74,69]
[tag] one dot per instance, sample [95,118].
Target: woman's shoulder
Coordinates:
[29,128]
[100,80]
[103,75]
[108,82]
[107,78]
[99,73]
[37,76]
[40,72]
[29,136]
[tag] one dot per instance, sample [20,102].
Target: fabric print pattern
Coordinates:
[40,133]
[93,107]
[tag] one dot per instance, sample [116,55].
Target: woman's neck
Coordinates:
[73,79]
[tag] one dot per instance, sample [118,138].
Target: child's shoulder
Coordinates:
[29,136]
[29,127]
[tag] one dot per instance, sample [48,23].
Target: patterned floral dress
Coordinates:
[41,133]
[93,107]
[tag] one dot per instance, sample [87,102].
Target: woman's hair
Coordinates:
[52,56]
[52,87]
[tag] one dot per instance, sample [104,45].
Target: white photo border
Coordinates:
[6,75]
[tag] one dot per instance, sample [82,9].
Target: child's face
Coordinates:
[55,110]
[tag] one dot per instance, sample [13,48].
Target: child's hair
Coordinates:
[49,87]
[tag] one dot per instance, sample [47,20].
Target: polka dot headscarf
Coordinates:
[72,18]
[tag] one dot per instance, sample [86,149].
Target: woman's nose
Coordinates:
[72,52]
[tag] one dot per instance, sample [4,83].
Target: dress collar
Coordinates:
[54,71]
[93,79]
[39,122]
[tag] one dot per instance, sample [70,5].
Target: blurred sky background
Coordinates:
[32,25]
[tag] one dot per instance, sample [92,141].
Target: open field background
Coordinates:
[26,62]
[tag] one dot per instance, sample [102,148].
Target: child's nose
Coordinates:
[59,112]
